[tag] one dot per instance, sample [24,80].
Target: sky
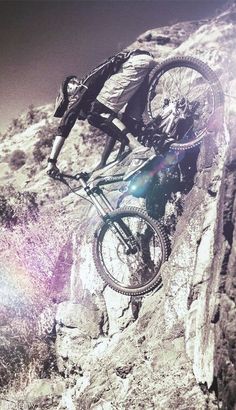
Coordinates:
[43,41]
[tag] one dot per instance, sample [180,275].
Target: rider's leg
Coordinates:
[119,89]
[109,145]
[115,94]
[106,120]
[140,154]
[112,126]
[103,118]
[129,85]
[116,126]
[132,117]
[121,151]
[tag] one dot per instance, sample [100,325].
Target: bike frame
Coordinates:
[96,194]
[103,205]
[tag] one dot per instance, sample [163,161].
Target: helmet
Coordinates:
[64,94]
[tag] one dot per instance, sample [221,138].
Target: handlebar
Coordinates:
[83,177]
[60,176]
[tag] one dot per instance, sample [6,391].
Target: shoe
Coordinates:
[142,152]
[140,158]
[123,155]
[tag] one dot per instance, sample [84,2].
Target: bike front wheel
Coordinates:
[130,272]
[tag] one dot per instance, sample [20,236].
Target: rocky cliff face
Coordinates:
[172,348]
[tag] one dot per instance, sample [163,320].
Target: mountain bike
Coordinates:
[184,102]
[129,247]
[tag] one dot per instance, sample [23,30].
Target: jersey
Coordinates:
[90,86]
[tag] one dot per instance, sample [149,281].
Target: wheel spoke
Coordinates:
[194,83]
[129,267]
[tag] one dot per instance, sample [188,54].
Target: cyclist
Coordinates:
[120,81]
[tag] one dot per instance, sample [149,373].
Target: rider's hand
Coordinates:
[52,170]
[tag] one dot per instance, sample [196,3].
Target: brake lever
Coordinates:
[83,175]
[58,176]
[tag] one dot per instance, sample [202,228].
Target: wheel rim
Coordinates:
[176,83]
[133,270]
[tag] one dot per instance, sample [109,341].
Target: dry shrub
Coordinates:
[32,116]
[30,252]
[44,143]
[17,159]
[35,240]
[24,354]
[17,207]
[36,245]
[94,136]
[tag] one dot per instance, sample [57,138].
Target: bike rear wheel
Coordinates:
[188,83]
[126,272]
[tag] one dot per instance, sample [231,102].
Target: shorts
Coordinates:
[120,87]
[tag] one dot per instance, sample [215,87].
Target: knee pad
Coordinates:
[104,121]
[94,117]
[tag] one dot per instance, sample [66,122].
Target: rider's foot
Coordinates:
[134,126]
[140,157]
[121,155]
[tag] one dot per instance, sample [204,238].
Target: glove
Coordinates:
[52,170]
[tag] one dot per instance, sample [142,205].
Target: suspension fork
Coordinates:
[102,206]
[94,193]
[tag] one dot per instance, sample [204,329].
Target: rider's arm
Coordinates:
[56,149]
[64,129]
